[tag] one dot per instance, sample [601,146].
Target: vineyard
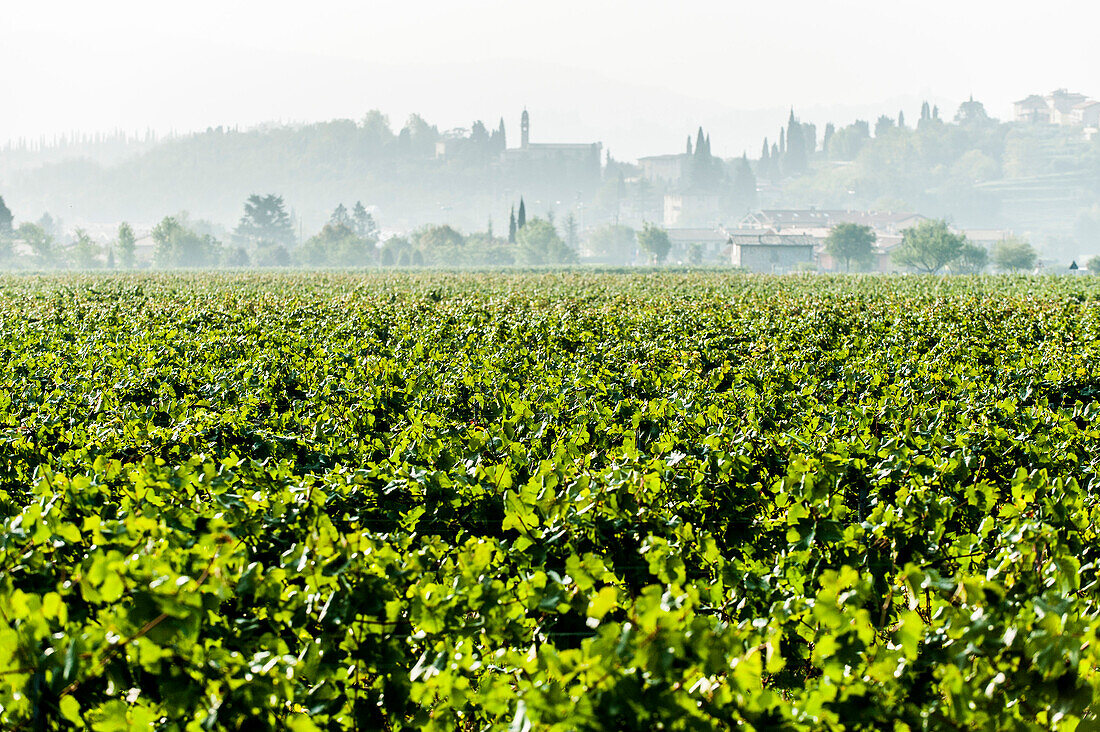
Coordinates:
[683,501]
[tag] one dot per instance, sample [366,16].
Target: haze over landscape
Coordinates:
[690,117]
[627,73]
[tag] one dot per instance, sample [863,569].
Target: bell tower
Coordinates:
[524,129]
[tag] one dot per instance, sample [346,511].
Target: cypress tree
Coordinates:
[502,143]
[925,112]
[521,218]
[512,226]
[782,141]
[901,120]
[700,143]
[689,145]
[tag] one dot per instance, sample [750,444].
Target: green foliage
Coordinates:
[929,247]
[84,252]
[431,237]
[654,241]
[1093,265]
[1014,255]
[41,243]
[553,501]
[125,245]
[177,245]
[538,243]
[851,243]
[363,223]
[7,221]
[266,223]
[338,245]
[847,142]
[972,259]
[613,243]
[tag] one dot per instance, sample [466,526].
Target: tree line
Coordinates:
[932,247]
[265,237]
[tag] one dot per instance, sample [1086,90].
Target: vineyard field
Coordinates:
[549,501]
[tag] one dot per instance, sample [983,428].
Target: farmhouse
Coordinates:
[762,251]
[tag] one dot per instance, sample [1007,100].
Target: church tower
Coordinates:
[524,129]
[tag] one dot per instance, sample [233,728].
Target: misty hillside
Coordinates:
[1041,180]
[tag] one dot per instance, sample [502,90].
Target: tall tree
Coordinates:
[177,245]
[125,244]
[512,226]
[743,186]
[521,217]
[972,259]
[929,246]
[7,221]
[795,161]
[809,134]
[340,216]
[849,243]
[539,243]
[40,241]
[265,222]
[654,241]
[571,231]
[84,252]
[901,119]
[363,223]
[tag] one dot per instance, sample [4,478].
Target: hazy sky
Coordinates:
[637,75]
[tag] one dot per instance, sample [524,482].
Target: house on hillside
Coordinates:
[1086,114]
[1060,107]
[670,169]
[771,253]
[1062,104]
[1032,108]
